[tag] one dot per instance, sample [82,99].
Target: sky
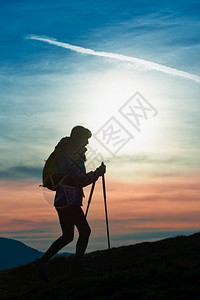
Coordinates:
[137,89]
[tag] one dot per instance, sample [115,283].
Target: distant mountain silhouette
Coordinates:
[164,270]
[14,253]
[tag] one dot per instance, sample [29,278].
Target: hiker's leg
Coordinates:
[67,234]
[84,234]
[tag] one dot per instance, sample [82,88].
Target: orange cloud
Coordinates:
[160,205]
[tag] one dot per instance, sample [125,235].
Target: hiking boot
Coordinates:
[41,268]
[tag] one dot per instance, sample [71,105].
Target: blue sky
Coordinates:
[45,90]
[33,74]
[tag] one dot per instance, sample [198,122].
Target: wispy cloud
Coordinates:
[149,65]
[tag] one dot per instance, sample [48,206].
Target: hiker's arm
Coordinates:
[85,179]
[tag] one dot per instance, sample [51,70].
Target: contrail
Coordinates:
[147,64]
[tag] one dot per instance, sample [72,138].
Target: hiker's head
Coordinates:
[80,135]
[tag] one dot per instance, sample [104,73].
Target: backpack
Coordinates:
[50,174]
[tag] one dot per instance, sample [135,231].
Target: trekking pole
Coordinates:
[90,198]
[106,213]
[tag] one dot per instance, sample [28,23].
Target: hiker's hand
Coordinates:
[101,169]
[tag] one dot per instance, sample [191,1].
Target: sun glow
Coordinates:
[108,92]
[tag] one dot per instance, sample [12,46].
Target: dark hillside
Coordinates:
[166,269]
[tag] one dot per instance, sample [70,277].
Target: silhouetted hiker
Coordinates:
[68,181]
